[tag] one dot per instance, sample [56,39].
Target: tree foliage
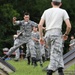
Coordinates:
[10,8]
[6,28]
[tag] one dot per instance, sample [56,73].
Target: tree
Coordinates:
[10,8]
[6,28]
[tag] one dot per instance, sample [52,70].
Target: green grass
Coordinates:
[23,69]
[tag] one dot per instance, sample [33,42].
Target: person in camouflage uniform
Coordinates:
[26,29]
[47,52]
[35,38]
[53,18]
[72,43]
[16,41]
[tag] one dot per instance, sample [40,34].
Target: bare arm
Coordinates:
[43,28]
[40,26]
[16,22]
[68,28]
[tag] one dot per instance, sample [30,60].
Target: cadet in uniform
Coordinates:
[35,38]
[53,18]
[26,29]
[72,43]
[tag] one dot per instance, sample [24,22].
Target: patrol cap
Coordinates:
[56,0]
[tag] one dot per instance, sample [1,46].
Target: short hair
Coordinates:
[56,3]
[72,35]
[26,13]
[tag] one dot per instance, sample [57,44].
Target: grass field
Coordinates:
[23,69]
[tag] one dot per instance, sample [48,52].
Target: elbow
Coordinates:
[70,26]
[39,26]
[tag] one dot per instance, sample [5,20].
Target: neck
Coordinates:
[26,20]
[35,31]
[55,6]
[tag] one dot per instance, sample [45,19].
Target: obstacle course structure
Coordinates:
[6,68]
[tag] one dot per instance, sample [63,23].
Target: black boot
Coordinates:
[31,62]
[43,58]
[60,71]
[34,61]
[49,72]
[28,58]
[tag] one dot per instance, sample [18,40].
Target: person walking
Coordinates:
[35,38]
[53,18]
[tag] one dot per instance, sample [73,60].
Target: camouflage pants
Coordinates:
[42,48]
[22,41]
[55,41]
[17,54]
[30,49]
[36,50]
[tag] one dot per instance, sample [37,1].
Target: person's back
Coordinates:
[54,17]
